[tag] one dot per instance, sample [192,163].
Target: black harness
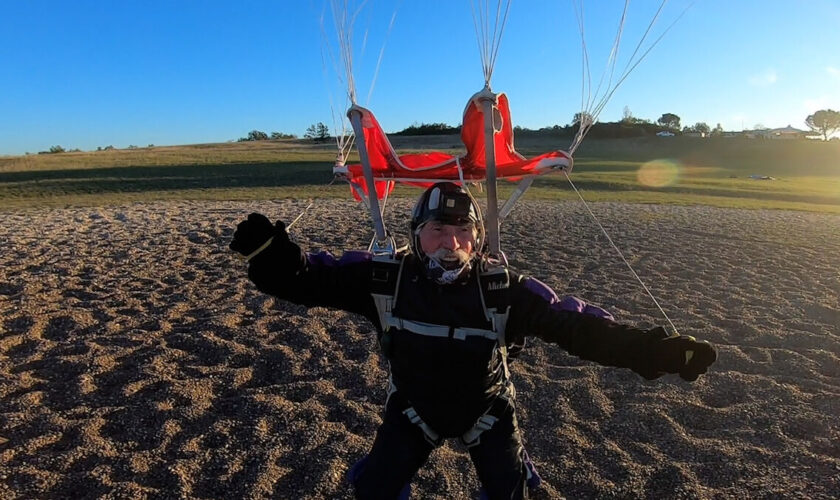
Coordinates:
[494,287]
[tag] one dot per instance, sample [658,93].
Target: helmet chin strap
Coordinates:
[446,276]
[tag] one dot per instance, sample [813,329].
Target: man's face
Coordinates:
[448,242]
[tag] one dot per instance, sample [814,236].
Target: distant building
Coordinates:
[759,133]
[776,133]
[786,133]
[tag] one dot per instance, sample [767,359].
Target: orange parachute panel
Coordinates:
[425,169]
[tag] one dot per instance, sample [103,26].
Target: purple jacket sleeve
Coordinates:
[583,330]
[317,279]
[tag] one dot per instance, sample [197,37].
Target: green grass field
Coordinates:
[675,170]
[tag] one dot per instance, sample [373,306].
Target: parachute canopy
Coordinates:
[424,169]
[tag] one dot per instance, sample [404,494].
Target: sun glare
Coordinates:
[659,173]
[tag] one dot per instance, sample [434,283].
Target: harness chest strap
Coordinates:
[431,330]
[493,287]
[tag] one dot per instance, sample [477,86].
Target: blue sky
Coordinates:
[84,74]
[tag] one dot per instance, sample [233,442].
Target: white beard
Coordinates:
[451,264]
[450,259]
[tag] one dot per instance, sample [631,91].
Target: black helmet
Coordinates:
[448,203]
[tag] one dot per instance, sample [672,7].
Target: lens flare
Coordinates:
[659,173]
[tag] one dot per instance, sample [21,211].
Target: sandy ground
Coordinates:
[137,361]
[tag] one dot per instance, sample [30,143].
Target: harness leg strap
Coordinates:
[431,436]
[473,436]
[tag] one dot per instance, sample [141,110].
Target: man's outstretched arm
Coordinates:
[651,353]
[279,267]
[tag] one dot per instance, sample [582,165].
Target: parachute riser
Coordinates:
[523,186]
[355,117]
[488,101]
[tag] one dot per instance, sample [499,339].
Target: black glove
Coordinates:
[681,354]
[252,233]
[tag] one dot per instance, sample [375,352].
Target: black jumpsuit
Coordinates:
[449,382]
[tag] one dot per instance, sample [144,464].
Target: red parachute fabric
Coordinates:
[424,169]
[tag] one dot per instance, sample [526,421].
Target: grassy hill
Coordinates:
[806,174]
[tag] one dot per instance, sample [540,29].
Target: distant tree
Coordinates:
[699,127]
[824,121]
[150,146]
[132,146]
[323,132]
[99,148]
[109,148]
[428,129]
[627,118]
[717,131]
[256,135]
[279,135]
[669,120]
[317,132]
[56,149]
[627,115]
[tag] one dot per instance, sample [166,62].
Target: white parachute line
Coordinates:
[339,121]
[595,111]
[339,133]
[382,52]
[479,25]
[344,30]
[348,138]
[344,23]
[480,244]
[611,61]
[363,48]
[346,56]
[325,44]
[388,187]
[289,227]
[497,41]
[645,35]
[586,96]
[343,136]
[620,254]
[344,139]
[631,62]
[489,40]
[487,43]
[593,104]
[493,47]
[654,44]
[586,75]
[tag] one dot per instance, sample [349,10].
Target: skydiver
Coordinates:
[448,319]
